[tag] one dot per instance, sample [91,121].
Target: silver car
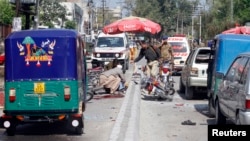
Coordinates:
[194,73]
[233,101]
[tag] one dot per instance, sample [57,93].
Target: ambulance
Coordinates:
[181,49]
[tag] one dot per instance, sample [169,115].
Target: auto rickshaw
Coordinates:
[45,79]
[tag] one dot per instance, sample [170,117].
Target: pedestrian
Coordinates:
[151,55]
[167,53]
[113,79]
[111,64]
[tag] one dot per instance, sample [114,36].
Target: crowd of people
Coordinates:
[154,52]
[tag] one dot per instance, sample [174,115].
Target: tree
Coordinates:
[6,12]
[166,13]
[70,25]
[51,11]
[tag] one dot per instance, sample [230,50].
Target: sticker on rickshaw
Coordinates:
[36,53]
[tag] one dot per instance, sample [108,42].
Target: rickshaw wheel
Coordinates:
[78,131]
[107,90]
[89,96]
[10,131]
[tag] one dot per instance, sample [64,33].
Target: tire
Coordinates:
[211,108]
[11,131]
[127,64]
[220,119]
[107,90]
[78,131]
[171,91]
[75,130]
[189,92]
[89,96]
[181,86]
[237,120]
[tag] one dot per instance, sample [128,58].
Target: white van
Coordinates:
[110,46]
[181,49]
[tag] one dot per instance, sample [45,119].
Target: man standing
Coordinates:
[166,51]
[151,55]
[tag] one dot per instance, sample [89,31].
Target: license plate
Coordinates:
[39,88]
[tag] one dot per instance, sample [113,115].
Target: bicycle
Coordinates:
[93,80]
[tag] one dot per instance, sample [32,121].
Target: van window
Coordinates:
[110,42]
[179,46]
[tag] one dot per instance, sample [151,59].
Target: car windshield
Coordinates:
[202,56]
[110,42]
[179,46]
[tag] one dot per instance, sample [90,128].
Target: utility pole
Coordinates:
[200,16]
[232,11]
[17,7]
[103,12]
[36,18]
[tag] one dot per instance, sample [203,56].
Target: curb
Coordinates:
[126,127]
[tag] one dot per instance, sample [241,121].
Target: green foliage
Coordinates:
[49,24]
[166,13]
[6,12]
[70,25]
[51,11]
[216,15]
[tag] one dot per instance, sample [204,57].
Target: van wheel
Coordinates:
[127,64]
[220,119]
[237,121]
[211,108]
[181,86]
[189,92]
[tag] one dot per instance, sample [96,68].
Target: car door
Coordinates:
[243,87]
[236,88]
[230,86]
[186,68]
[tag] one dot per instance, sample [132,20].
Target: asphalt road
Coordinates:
[129,117]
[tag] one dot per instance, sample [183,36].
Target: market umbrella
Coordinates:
[132,24]
[238,30]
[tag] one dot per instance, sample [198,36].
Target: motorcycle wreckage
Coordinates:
[155,87]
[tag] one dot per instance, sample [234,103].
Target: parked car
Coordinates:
[233,100]
[194,72]
[2,58]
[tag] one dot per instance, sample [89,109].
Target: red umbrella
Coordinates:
[238,30]
[132,24]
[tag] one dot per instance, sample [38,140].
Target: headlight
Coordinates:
[117,55]
[98,55]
